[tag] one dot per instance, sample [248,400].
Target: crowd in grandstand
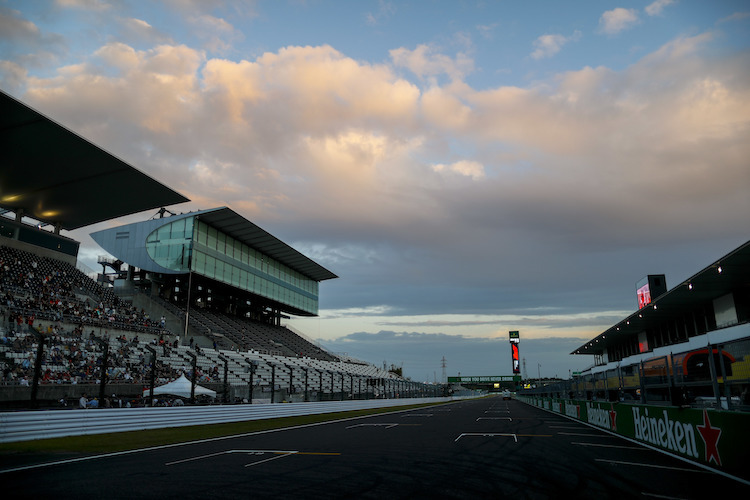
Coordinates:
[78,319]
[34,287]
[74,358]
[60,301]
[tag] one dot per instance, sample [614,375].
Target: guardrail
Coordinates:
[32,425]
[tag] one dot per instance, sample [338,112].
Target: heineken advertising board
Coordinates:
[718,439]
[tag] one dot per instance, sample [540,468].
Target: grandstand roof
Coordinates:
[230,222]
[57,176]
[727,274]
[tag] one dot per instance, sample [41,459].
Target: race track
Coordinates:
[486,448]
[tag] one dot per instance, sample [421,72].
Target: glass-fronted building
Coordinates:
[223,246]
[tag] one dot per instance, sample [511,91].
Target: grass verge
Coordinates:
[124,441]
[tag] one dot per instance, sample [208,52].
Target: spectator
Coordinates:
[83,402]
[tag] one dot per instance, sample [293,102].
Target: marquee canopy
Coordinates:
[180,387]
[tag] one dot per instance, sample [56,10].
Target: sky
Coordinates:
[466,168]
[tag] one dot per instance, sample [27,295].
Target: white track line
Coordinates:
[599,445]
[653,466]
[515,438]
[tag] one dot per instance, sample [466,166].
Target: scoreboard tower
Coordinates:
[514,341]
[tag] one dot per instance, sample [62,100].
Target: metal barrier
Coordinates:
[26,426]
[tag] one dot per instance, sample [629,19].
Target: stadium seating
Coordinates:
[79,318]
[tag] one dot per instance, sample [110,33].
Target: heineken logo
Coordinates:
[710,436]
[670,434]
[600,417]
[572,410]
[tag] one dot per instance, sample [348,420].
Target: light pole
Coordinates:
[253,366]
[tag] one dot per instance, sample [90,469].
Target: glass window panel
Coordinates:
[202,232]
[163,233]
[228,245]
[162,253]
[211,240]
[237,253]
[221,242]
[210,266]
[219,270]
[178,229]
[199,262]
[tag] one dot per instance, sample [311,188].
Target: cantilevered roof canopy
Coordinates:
[729,273]
[56,176]
[230,222]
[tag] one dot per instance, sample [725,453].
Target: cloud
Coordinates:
[425,61]
[617,20]
[467,168]
[385,11]
[487,30]
[658,7]
[22,42]
[140,31]
[217,34]
[737,16]
[93,5]
[428,197]
[549,45]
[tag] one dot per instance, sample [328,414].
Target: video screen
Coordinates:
[644,295]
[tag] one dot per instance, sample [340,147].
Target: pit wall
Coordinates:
[710,438]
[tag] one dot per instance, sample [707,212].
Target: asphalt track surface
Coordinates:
[486,448]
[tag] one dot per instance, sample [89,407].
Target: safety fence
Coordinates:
[25,426]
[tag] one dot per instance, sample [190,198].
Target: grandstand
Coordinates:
[201,293]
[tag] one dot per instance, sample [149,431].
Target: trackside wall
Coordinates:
[713,438]
[32,425]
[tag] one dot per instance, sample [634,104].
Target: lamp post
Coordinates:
[187,306]
[291,380]
[226,384]
[104,342]
[37,365]
[153,374]
[253,366]
[194,357]
[273,382]
[307,398]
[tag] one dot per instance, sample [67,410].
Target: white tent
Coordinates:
[180,387]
